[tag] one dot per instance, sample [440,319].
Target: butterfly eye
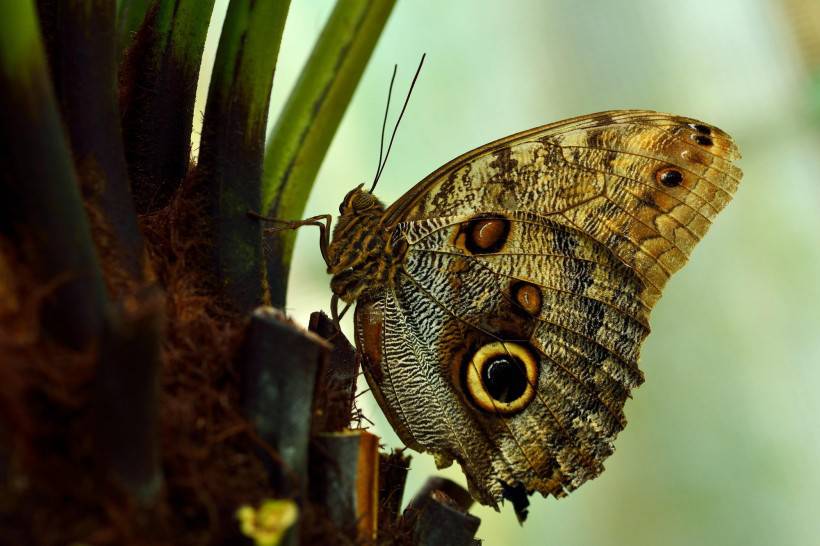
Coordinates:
[362,201]
[500,377]
[347,201]
[357,199]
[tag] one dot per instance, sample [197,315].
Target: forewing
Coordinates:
[602,175]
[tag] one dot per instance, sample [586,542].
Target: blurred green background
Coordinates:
[723,441]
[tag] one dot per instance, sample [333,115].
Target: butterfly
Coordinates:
[501,303]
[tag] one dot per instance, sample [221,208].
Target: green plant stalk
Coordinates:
[130,15]
[309,120]
[188,33]
[79,38]
[41,211]
[232,146]
[159,80]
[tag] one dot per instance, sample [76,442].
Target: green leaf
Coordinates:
[130,15]
[189,31]
[20,38]
[814,97]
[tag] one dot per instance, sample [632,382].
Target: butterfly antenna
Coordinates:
[384,125]
[396,127]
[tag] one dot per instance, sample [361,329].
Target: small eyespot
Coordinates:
[669,177]
[703,140]
[527,296]
[701,128]
[486,235]
[500,377]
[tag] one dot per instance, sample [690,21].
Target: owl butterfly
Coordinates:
[501,303]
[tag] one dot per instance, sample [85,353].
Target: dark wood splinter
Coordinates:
[438,515]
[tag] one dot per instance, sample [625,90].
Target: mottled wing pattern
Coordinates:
[587,329]
[597,174]
[555,242]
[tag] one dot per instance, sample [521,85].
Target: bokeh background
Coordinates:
[723,441]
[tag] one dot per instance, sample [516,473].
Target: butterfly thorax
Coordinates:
[361,256]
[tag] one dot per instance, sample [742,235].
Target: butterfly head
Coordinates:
[358,255]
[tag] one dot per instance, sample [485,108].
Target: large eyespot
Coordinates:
[500,377]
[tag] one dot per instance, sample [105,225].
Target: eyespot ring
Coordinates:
[500,377]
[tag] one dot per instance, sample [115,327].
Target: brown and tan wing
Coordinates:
[538,256]
[647,185]
[551,295]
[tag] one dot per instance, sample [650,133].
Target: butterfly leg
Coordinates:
[322,221]
[334,311]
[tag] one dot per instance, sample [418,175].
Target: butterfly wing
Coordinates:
[601,174]
[538,256]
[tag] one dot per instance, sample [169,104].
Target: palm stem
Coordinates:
[159,79]
[233,138]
